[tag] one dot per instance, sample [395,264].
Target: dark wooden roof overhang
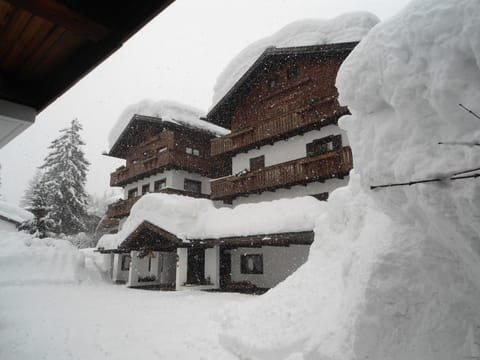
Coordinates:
[49,45]
[132,134]
[278,239]
[148,236]
[270,60]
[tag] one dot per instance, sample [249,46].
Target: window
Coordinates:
[323,145]
[257,163]
[159,184]
[192,186]
[292,72]
[273,82]
[132,193]
[192,151]
[251,264]
[145,189]
[126,260]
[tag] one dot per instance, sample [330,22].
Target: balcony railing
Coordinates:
[163,161]
[333,164]
[320,114]
[122,208]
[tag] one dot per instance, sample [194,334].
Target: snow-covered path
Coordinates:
[109,322]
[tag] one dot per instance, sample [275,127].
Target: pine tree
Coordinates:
[37,200]
[65,171]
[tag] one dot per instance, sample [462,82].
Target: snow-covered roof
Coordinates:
[189,218]
[164,111]
[14,213]
[349,27]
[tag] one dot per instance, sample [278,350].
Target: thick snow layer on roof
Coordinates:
[344,28]
[189,218]
[393,273]
[25,259]
[14,212]
[166,110]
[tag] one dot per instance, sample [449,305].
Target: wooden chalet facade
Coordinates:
[287,94]
[162,156]
[284,143]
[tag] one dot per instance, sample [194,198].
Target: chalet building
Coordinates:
[162,156]
[284,139]
[284,144]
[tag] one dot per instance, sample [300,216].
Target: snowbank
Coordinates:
[14,213]
[344,28]
[170,111]
[393,273]
[28,260]
[190,218]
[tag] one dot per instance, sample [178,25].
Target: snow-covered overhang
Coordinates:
[14,118]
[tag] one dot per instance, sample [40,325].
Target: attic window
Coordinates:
[292,72]
[272,82]
[192,151]
[251,264]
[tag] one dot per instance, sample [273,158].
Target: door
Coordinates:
[225,267]
[196,266]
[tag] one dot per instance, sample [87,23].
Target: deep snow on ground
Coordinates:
[60,322]
[393,273]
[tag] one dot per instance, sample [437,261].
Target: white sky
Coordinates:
[177,56]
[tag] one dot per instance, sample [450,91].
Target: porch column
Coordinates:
[182,264]
[134,269]
[212,265]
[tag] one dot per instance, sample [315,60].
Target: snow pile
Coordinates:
[25,259]
[170,111]
[14,213]
[393,273]
[190,218]
[344,28]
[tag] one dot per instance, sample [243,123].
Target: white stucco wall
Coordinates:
[174,180]
[278,264]
[7,226]
[212,266]
[285,150]
[295,191]
[117,274]
[181,273]
[139,269]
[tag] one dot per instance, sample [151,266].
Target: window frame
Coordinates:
[320,146]
[155,183]
[192,182]
[257,264]
[147,186]
[132,193]
[257,163]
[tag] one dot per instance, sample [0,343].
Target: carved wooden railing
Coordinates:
[335,163]
[319,114]
[168,159]
[122,208]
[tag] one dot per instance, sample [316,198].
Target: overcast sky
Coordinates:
[177,56]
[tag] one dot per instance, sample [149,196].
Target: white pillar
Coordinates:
[135,270]
[182,264]
[212,265]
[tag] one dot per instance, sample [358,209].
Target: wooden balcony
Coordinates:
[164,161]
[122,208]
[323,113]
[333,164]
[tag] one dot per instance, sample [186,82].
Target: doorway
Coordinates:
[196,266]
[225,267]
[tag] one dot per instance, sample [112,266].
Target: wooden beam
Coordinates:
[63,16]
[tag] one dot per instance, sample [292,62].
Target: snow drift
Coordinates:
[170,111]
[344,28]
[14,212]
[25,259]
[190,218]
[393,273]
